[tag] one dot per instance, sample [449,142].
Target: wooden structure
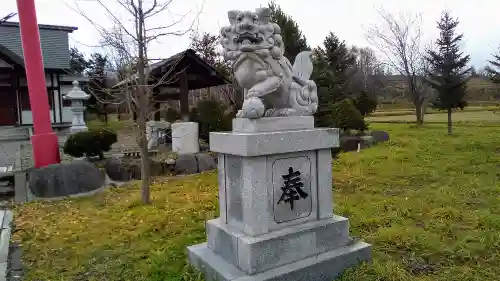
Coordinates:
[173,78]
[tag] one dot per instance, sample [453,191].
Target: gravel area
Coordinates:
[8,152]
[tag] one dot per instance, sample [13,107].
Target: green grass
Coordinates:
[381,113]
[113,123]
[460,116]
[428,202]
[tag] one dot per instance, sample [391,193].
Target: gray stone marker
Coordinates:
[259,235]
[275,171]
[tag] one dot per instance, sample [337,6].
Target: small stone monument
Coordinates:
[77,97]
[275,172]
[156,133]
[185,137]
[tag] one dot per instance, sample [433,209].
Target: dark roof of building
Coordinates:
[189,61]
[43,26]
[5,53]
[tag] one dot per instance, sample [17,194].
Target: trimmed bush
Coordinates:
[365,104]
[345,116]
[210,117]
[172,115]
[90,143]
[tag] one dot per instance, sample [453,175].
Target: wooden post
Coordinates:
[157,111]
[184,96]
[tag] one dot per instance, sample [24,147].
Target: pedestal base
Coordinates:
[323,267]
[317,250]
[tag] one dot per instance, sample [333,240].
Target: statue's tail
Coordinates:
[304,96]
[303,66]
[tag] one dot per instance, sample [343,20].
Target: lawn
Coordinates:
[460,116]
[428,202]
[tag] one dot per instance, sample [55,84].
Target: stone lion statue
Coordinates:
[272,86]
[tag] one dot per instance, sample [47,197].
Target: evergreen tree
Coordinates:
[448,68]
[334,67]
[97,85]
[493,69]
[205,45]
[77,62]
[293,39]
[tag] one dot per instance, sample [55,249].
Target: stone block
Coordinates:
[257,254]
[253,198]
[269,124]
[380,136]
[185,137]
[267,143]
[366,141]
[60,180]
[186,164]
[205,162]
[349,143]
[117,169]
[326,266]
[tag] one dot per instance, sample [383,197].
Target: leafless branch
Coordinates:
[399,39]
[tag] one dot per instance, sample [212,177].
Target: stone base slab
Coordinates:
[269,124]
[269,143]
[323,267]
[254,254]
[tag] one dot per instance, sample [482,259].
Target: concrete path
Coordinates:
[6,218]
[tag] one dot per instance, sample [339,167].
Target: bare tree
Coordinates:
[367,64]
[128,41]
[398,38]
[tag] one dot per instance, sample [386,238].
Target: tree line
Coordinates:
[350,79]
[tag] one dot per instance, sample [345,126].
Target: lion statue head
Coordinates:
[251,32]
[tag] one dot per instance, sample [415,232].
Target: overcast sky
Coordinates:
[479,20]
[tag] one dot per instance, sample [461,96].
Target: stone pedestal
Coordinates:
[275,195]
[185,137]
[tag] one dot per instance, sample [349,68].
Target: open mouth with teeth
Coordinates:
[248,38]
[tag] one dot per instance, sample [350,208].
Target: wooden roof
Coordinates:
[200,74]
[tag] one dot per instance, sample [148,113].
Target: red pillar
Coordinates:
[44,141]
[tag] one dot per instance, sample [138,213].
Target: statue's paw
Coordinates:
[252,108]
[240,114]
[281,112]
[290,112]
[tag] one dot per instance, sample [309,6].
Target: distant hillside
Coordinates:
[479,89]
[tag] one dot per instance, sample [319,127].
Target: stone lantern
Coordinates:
[77,97]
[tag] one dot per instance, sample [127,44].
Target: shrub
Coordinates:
[345,116]
[172,115]
[365,104]
[210,116]
[90,143]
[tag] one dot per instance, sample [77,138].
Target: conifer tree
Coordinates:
[293,39]
[448,72]
[493,69]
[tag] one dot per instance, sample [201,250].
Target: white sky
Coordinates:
[479,20]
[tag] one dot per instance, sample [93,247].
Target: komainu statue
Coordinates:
[272,87]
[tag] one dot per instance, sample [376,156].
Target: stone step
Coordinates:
[14,133]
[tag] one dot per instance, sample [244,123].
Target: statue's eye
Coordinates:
[240,18]
[255,19]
